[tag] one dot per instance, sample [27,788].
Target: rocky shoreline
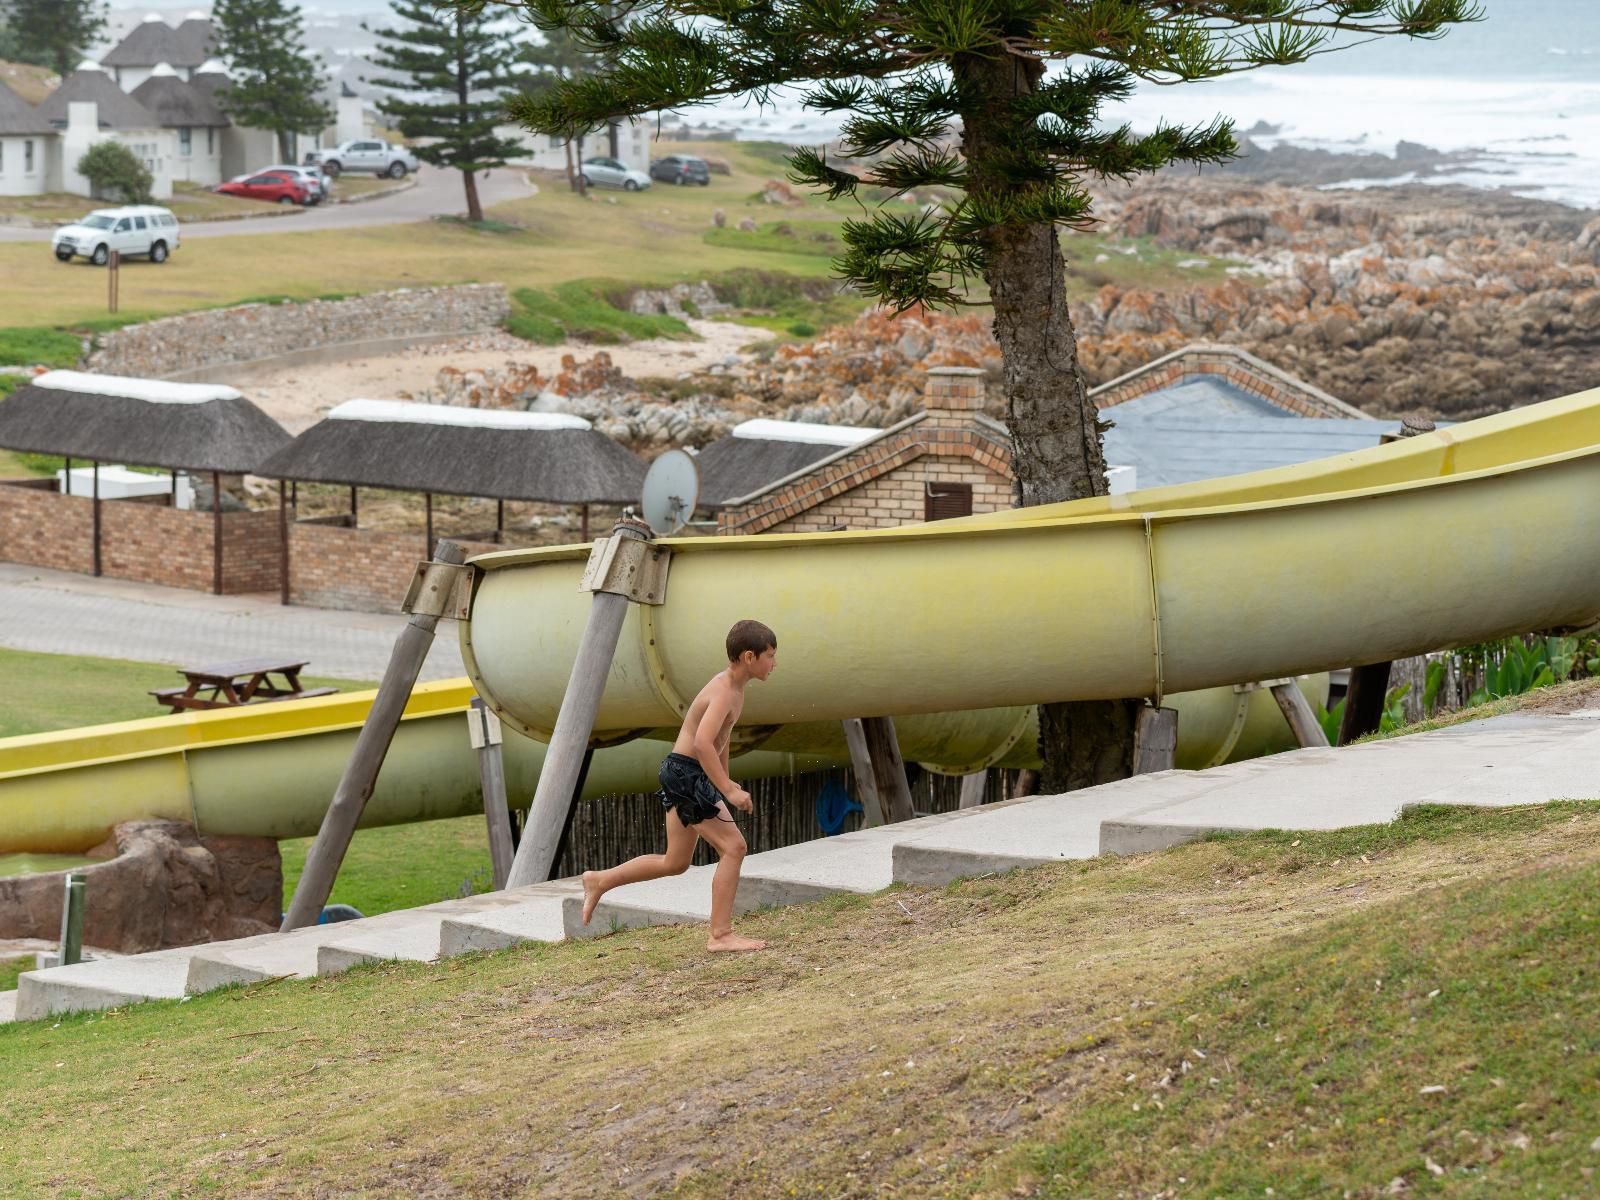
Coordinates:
[1442,302]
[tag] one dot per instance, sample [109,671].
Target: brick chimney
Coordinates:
[954,389]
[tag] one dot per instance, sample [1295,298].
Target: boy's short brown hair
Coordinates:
[752,636]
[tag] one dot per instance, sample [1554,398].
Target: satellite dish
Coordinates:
[671,490]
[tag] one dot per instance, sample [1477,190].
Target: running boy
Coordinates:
[696,790]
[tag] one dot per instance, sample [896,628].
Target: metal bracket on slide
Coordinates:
[439,589]
[627,566]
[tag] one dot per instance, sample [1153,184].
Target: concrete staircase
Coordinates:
[1516,759]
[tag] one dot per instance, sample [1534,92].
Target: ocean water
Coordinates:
[1520,90]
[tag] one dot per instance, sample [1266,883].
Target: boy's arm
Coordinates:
[711,758]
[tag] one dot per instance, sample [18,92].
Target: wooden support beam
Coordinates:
[283,541]
[1155,741]
[1363,701]
[355,517]
[484,733]
[372,745]
[96,471]
[499,520]
[972,789]
[427,499]
[1026,783]
[888,769]
[569,741]
[216,533]
[855,738]
[1302,721]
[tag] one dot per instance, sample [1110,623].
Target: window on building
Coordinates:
[2,157]
[945,500]
[27,156]
[556,143]
[185,140]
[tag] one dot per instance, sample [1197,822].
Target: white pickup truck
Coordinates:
[365,155]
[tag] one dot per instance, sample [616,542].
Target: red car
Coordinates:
[283,189]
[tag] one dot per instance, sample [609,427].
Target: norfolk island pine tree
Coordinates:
[452,66]
[51,33]
[1027,81]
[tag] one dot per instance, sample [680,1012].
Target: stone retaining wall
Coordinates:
[248,332]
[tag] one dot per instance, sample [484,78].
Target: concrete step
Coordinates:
[1523,760]
[103,983]
[851,862]
[535,916]
[8,1006]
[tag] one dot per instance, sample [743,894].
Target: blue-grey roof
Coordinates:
[1204,396]
[1182,446]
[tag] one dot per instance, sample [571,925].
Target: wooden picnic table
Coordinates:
[247,681]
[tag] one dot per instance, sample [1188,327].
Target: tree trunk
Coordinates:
[1055,433]
[284,147]
[572,175]
[469,180]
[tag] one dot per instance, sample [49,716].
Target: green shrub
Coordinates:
[113,170]
[803,329]
[582,310]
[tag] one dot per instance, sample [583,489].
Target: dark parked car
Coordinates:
[681,169]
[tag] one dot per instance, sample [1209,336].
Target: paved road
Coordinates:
[59,612]
[436,193]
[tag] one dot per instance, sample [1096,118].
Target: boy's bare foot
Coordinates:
[732,941]
[591,893]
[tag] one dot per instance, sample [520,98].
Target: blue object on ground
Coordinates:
[339,912]
[833,806]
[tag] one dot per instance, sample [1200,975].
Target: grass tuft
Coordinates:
[582,310]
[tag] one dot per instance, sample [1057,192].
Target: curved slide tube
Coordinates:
[1090,600]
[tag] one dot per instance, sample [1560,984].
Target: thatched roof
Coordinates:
[761,452]
[176,103]
[153,41]
[17,116]
[145,422]
[211,78]
[117,109]
[462,452]
[198,39]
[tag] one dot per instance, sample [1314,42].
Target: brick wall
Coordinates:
[44,529]
[150,543]
[899,497]
[367,570]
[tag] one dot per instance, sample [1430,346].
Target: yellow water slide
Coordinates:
[1474,532]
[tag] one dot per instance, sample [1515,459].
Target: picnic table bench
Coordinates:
[247,681]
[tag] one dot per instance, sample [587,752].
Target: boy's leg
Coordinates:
[724,837]
[680,852]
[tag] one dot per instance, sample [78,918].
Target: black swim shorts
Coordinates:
[686,787]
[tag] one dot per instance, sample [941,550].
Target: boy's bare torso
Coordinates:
[720,686]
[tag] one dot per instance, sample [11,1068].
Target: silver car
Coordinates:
[600,171]
[316,183]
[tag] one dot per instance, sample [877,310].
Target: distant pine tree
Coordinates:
[51,33]
[453,68]
[276,84]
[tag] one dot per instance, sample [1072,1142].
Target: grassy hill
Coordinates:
[659,236]
[1401,1009]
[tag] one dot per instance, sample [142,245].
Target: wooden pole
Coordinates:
[216,532]
[888,769]
[361,772]
[499,520]
[585,527]
[174,487]
[1363,701]
[355,518]
[972,789]
[1026,782]
[1155,741]
[569,742]
[486,736]
[855,737]
[283,541]
[1307,731]
[427,498]
[96,494]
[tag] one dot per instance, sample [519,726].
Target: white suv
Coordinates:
[364,154]
[137,229]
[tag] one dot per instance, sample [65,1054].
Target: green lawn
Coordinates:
[62,691]
[1297,1015]
[402,866]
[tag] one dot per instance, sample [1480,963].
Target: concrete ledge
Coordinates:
[209,971]
[933,866]
[1132,837]
[8,1007]
[689,909]
[108,983]
[505,928]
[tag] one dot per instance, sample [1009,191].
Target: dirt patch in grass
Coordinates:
[913,1043]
